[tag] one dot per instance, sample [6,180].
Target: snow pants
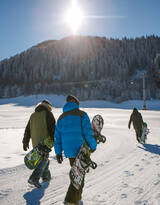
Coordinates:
[42,170]
[138,134]
[73,195]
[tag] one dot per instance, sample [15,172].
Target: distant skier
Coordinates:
[137,120]
[71,129]
[41,124]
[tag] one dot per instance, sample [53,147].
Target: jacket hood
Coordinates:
[70,106]
[135,111]
[42,106]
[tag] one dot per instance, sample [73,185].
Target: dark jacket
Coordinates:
[72,127]
[40,124]
[136,119]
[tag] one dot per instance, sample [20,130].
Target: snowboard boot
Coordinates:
[34,182]
[46,179]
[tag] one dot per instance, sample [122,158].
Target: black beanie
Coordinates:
[72,98]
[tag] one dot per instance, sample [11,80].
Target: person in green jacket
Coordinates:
[137,120]
[40,125]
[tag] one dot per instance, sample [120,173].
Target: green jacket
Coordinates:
[41,124]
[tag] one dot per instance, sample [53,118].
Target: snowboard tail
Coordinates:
[81,166]
[34,157]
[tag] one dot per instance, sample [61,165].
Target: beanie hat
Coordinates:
[72,98]
[47,104]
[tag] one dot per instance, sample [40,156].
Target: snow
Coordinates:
[127,174]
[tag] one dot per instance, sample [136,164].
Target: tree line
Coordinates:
[88,67]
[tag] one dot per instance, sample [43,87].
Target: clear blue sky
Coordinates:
[24,23]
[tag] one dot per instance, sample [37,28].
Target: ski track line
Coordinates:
[114,172]
[115,168]
[117,174]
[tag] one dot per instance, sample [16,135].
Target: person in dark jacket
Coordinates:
[71,129]
[137,120]
[40,125]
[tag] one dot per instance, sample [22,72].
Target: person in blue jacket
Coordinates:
[72,127]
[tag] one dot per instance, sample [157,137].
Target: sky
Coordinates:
[25,23]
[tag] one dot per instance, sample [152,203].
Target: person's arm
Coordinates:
[129,123]
[51,123]
[88,132]
[26,137]
[141,120]
[57,140]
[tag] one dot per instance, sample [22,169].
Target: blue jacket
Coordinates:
[71,128]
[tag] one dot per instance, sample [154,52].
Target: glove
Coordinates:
[59,158]
[25,147]
[92,150]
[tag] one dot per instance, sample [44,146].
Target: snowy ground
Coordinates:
[127,174]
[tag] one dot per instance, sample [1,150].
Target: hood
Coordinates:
[41,106]
[70,106]
[135,111]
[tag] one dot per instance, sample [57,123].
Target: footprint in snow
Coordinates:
[123,196]
[137,165]
[128,173]
[141,202]
[139,190]
[156,183]
[141,169]
[125,185]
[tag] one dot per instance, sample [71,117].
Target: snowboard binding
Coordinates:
[86,161]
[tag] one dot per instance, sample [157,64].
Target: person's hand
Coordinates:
[25,147]
[59,158]
[92,150]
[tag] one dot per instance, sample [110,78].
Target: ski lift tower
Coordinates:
[144,92]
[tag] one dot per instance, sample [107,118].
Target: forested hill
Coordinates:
[88,67]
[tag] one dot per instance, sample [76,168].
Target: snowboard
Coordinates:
[97,125]
[145,132]
[34,157]
[83,161]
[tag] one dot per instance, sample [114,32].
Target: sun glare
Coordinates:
[74,17]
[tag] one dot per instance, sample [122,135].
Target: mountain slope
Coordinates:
[85,66]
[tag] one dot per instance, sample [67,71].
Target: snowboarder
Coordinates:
[137,120]
[41,124]
[72,128]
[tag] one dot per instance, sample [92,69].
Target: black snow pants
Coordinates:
[138,134]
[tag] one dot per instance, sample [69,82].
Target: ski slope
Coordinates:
[127,174]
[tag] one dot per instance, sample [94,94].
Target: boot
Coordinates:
[35,183]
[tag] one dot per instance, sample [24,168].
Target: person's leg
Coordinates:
[137,135]
[37,173]
[73,195]
[46,175]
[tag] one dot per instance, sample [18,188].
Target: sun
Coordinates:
[74,17]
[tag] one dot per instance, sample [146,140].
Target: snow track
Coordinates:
[127,174]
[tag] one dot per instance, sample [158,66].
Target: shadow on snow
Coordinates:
[155,149]
[34,196]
